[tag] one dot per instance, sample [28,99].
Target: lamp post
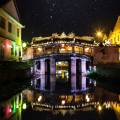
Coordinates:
[99,35]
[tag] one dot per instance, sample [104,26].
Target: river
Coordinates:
[94,102]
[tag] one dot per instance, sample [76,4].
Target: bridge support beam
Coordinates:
[73,73]
[42,66]
[42,82]
[83,70]
[52,74]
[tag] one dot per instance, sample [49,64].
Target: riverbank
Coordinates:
[110,70]
[107,75]
[12,70]
[8,89]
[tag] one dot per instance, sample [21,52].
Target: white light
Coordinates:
[24,45]
[59,63]
[88,99]
[39,98]
[86,49]
[99,108]
[24,106]
[17,106]
[63,102]
[63,45]
[59,72]
[39,49]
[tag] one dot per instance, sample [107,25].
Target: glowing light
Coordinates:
[39,49]
[86,49]
[17,106]
[9,110]
[59,72]
[99,34]
[24,45]
[69,48]
[63,35]
[39,98]
[63,102]
[60,63]
[63,45]
[87,98]
[108,105]
[24,106]
[99,108]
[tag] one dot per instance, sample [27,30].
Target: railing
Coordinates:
[50,52]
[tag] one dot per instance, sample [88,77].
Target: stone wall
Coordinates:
[106,54]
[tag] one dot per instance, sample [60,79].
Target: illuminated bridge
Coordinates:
[62,56]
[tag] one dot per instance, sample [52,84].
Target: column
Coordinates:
[83,66]
[52,82]
[73,73]
[42,87]
[52,66]
[83,83]
[73,83]
[42,66]
[83,70]
[52,74]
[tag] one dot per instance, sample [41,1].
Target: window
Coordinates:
[2,22]
[9,27]
[18,32]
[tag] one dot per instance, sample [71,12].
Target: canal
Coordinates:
[94,102]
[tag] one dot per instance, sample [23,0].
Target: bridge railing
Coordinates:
[82,51]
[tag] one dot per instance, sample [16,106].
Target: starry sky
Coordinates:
[83,17]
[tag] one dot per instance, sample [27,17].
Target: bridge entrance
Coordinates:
[62,70]
[62,75]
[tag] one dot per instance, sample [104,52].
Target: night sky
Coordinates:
[83,17]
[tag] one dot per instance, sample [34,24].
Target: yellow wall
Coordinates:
[115,35]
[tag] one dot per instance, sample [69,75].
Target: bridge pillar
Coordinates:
[83,70]
[52,74]
[73,73]
[42,82]
[73,83]
[42,68]
[52,66]
[52,82]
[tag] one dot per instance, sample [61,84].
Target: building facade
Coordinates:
[114,36]
[10,32]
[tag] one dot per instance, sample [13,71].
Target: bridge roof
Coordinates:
[63,36]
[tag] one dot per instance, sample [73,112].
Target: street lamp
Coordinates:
[99,34]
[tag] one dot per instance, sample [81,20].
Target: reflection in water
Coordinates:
[74,102]
[54,83]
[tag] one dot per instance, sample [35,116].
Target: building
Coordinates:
[10,32]
[106,54]
[114,36]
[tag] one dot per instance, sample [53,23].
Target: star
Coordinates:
[53,4]
[51,17]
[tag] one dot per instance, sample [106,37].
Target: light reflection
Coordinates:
[73,102]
